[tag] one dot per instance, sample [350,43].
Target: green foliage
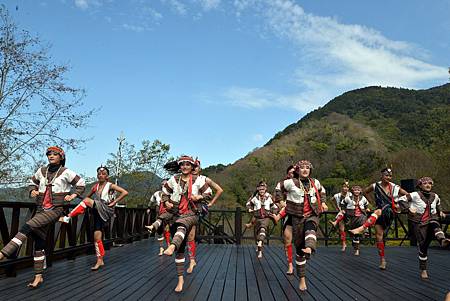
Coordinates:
[354,136]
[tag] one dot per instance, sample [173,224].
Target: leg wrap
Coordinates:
[179,236]
[192,249]
[355,243]
[310,239]
[289,253]
[300,264]
[380,246]
[167,236]
[99,250]
[339,217]
[79,209]
[160,240]
[262,234]
[343,236]
[157,224]
[370,221]
[39,261]
[422,261]
[437,230]
[13,247]
[179,263]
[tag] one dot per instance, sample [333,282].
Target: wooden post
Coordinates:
[238,225]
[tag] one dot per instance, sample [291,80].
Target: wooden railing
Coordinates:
[227,226]
[219,226]
[69,240]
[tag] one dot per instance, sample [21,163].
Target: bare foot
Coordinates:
[445,243]
[307,250]
[97,265]
[358,230]
[2,256]
[192,264]
[424,274]
[290,270]
[169,251]
[302,284]
[344,246]
[64,219]
[180,283]
[149,228]
[383,264]
[260,254]
[161,251]
[356,252]
[37,281]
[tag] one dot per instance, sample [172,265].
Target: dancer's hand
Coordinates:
[112,204]
[324,207]
[443,215]
[70,197]
[196,198]
[34,193]
[168,205]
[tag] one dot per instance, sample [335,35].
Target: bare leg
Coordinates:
[379,233]
[343,238]
[100,262]
[287,235]
[192,249]
[179,287]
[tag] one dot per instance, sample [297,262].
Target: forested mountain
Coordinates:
[354,136]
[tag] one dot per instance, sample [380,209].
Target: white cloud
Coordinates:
[83,4]
[339,57]
[253,98]
[209,4]
[176,6]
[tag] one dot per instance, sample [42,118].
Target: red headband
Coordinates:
[57,150]
[185,159]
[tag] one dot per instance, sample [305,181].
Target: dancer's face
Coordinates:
[386,177]
[304,171]
[53,158]
[102,175]
[186,168]
[262,190]
[344,189]
[290,173]
[196,170]
[426,186]
[356,192]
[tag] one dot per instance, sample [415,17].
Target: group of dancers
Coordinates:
[185,197]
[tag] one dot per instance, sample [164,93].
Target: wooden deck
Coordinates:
[230,272]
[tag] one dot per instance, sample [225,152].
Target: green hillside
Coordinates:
[354,136]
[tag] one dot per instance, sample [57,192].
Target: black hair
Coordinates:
[103,167]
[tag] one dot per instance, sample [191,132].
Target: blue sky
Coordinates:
[217,78]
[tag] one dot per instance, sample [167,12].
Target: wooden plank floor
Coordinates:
[229,272]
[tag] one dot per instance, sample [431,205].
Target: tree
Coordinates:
[36,103]
[141,170]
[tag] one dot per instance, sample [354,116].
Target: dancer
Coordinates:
[287,222]
[101,200]
[341,218]
[386,195]
[355,210]
[303,204]
[162,232]
[178,193]
[263,209]
[424,213]
[52,186]
[202,209]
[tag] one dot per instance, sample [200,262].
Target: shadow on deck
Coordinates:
[230,272]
